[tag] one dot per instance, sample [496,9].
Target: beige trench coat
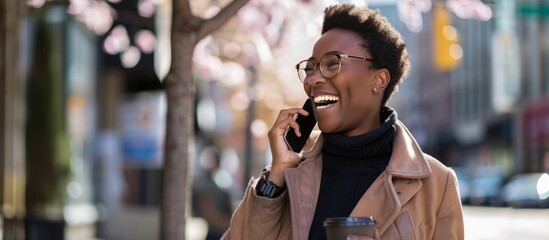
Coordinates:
[416,197]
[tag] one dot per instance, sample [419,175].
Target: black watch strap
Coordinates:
[266,188]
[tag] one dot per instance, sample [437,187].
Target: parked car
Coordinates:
[486,184]
[530,190]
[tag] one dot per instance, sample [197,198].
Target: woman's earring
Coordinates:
[374,90]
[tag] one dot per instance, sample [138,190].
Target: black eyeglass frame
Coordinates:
[316,65]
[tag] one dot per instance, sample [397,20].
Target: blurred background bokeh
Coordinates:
[83,108]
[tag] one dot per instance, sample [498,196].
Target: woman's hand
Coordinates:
[354,237]
[283,157]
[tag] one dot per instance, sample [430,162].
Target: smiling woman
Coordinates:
[363,162]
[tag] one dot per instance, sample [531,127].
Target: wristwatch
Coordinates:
[266,188]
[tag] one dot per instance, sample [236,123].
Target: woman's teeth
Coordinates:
[325,101]
[322,106]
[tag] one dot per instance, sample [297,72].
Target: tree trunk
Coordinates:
[186,31]
[179,138]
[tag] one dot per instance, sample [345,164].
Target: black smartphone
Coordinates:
[306,125]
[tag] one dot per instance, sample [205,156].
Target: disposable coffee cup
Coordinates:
[340,227]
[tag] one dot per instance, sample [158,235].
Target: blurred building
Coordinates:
[501,82]
[489,108]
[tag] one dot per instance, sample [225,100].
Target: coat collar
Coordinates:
[383,199]
[407,160]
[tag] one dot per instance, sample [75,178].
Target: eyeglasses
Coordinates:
[329,66]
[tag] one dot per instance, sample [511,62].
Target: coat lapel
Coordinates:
[380,201]
[303,184]
[385,198]
[397,184]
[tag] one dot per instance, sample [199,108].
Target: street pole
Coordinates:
[11,115]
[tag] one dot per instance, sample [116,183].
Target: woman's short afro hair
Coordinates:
[380,39]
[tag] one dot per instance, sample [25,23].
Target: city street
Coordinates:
[483,223]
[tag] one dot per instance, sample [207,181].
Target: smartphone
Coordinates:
[306,125]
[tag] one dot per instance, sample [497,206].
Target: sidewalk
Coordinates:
[142,223]
[482,223]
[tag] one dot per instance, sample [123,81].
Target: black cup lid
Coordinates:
[349,221]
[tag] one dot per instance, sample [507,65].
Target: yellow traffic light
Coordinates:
[447,52]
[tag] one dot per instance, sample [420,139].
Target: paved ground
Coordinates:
[482,223]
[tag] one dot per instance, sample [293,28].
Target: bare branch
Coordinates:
[182,17]
[222,16]
[183,7]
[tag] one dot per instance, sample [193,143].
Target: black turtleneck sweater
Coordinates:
[349,166]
